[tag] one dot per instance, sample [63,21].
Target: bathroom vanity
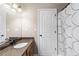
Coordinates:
[27,50]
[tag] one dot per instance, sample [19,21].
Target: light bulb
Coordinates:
[15,5]
[13,10]
[6,5]
[19,9]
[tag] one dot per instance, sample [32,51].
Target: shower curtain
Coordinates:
[68,30]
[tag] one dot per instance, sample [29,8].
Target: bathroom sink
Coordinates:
[20,45]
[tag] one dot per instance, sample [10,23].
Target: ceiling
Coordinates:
[58,6]
[25,6]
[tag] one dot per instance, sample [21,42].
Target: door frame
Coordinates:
[38,38]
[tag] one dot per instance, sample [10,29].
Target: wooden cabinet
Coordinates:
[30,50]
[24,54]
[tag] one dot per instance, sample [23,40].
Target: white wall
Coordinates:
[25,24]
[69,30]
[2,24]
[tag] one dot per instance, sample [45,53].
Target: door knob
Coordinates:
[55,49]
[41,35]
[54,31]
[2,35]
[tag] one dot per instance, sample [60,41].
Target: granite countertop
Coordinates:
[11,51]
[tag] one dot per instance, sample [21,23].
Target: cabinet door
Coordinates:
[30,50]
[24,54]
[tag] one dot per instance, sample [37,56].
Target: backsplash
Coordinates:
[68,34]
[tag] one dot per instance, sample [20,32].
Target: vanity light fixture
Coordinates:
[13,10]
[15,6]
[6,5]
[19,9]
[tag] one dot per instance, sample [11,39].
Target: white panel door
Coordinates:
[47,28]
[2,25]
